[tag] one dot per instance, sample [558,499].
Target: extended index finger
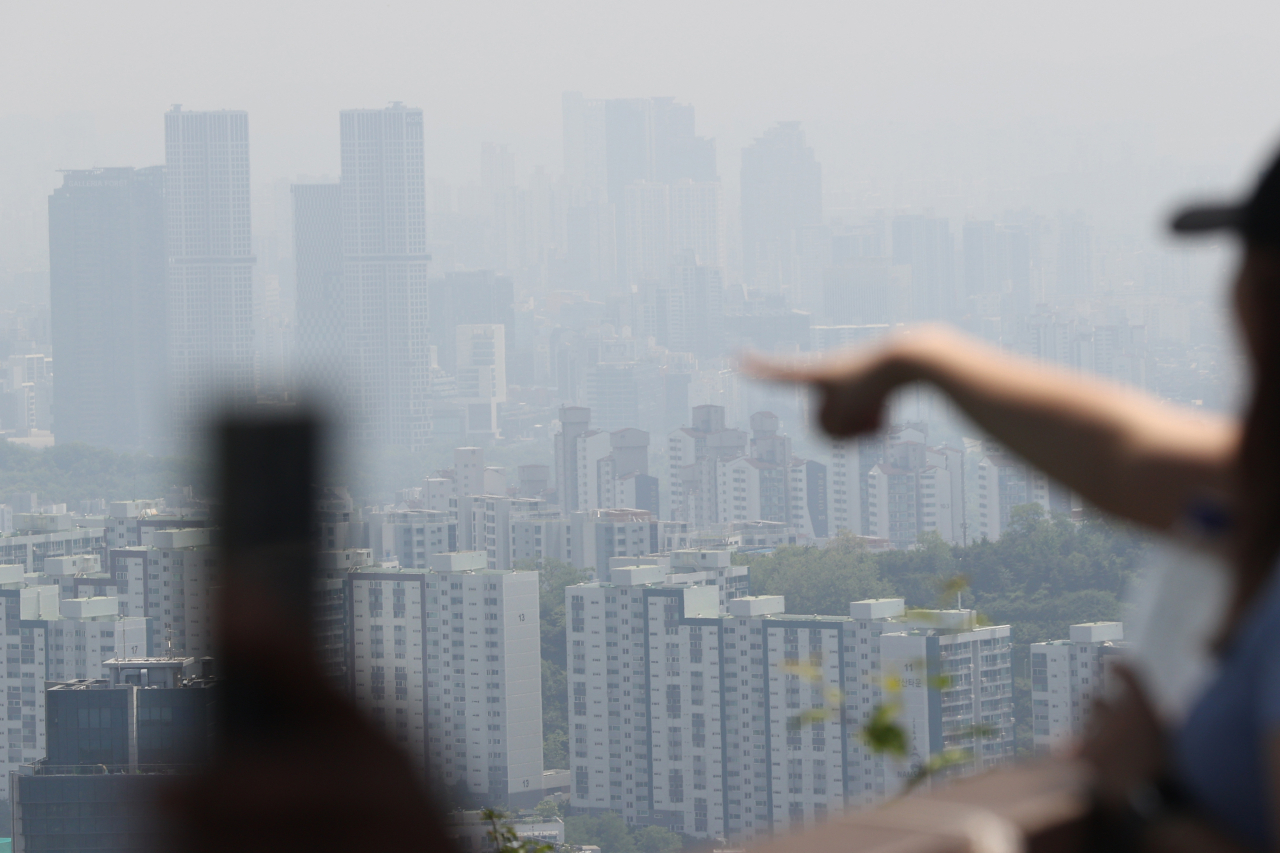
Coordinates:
[775,369]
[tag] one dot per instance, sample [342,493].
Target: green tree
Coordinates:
[819,580]
[73,472]
[1044,574]
[503,837]
[657,839]
[607,831]
[553,577]
[549,809]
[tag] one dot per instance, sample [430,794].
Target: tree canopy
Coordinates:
[67,473]
[553,577]
[1041,576]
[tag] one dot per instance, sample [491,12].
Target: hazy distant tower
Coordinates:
[210,275]
[781,191]
[384,239]
[322,362]
[107,279]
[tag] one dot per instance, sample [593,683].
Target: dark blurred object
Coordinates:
[268,470]
[296,767]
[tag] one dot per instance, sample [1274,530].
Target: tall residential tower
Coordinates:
[107,281]
[210,275]
[384,246]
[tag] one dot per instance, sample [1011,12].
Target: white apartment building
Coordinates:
[40,535]
[486,523]
[128,522]
[717,476]
[844,504]
[50,640]
[446,660]
[540,536]
[27,637]
[89,633]
[482,375]
[687,716]
[411,536]
[468,472]
[168,580]
[739,488]
[1067,677]
[692,478]
[1004,483]
[710,567]
[908,488]
[439,494]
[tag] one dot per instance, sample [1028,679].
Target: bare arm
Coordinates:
[1125,452]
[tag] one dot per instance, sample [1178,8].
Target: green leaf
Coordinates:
[883,734]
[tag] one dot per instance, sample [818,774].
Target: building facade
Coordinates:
[107,305]
[1067,677]
[446,661]
[210,271]
[385,260]
[742,721]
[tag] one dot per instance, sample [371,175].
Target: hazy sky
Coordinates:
[1115,106]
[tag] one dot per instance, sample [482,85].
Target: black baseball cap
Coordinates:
[1256,219]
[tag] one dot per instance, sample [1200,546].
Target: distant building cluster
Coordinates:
[424,312]
[579,327]
[734,719]
[692,704]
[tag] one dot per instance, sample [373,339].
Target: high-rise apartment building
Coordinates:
[446,661]
[210,272]
[481,368]
[26,397]
[692,453]
[915,489]
[1067,678]
[632,149]
[168,579]
[1005,483]
[384,246]
[924,244]
[38,536]
[411,537]
[602,470]
[130,522]
[717,476]
[781,192]
[473,297]
[844,503]
[740,723]
[322,363]
[107,305]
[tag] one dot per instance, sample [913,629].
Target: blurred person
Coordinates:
[1209,781]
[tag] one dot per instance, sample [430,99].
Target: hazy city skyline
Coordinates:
[917,103]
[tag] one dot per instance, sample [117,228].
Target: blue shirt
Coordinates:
[1220,752]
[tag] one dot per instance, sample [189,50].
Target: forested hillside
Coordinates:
[68,473]
[1043,575]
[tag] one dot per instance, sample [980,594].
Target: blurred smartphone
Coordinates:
[267,470]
